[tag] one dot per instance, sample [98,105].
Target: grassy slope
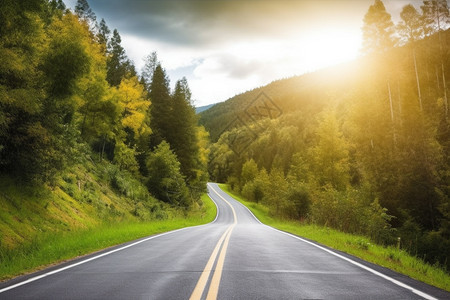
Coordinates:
[83,213]
[360,246]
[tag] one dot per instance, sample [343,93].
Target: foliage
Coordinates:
[165,180]
[361,147]
[360,246]
[56,246]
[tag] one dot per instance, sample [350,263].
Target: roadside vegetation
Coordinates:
[92,152]
[358,245]
[55,246]
[363,148]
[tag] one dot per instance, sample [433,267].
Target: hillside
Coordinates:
[87,196]
[362,147]
[87,143]
[304,92]
[203,108]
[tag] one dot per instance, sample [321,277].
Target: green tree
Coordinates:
[411,30]
[436,16]
[86,14]
[249,172]
[151,61]
[378,29]
[165,180]
[275,194]
[182,131]
[330,156]
[104,36]
[161,106]
[118,64]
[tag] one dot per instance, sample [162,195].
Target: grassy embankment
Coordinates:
[92,207]
[359,246]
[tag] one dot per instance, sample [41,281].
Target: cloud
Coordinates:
[225,47]
[227,65]
[201,22]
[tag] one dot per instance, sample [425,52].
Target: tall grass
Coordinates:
[56,247]
[359,246]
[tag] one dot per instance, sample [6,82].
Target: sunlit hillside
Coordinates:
[352,147]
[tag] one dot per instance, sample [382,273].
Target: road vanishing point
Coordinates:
[234,257]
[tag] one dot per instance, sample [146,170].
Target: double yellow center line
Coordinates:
[215,281]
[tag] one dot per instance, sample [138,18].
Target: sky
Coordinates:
[226,47]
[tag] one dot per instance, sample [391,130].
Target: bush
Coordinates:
[301,200]
[378,226]
[234,184]
[165,180]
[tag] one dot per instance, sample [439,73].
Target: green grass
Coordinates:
[359,246]
[56,247]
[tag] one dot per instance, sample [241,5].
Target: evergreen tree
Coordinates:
[151,61]
[104,35]
[86,14]
[54,8]
[161,121]
[436,16]
[378,29]
[116,68]
[331,156]
[411,30]
[165,180]
[378,38]
[182,135]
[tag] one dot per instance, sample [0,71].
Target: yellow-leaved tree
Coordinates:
[134,125]
[134,106]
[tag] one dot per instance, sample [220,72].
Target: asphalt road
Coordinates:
[234,257]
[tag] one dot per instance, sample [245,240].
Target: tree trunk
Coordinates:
[445,89]
[399,104]
[103,148]
[390,102]
[392,113]
[417,79]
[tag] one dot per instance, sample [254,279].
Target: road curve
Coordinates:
[234,257]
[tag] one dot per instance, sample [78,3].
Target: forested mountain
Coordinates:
[71,101]
[362,147]
[203,108]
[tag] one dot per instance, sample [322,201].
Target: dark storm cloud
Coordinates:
[204,22]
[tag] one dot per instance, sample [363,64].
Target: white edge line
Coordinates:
[101,255]
[401,284]
[86,260]
[217,207]
[240,205]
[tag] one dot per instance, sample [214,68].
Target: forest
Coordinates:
[362,147]
[73,107]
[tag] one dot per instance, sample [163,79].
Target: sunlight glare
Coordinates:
[323,48]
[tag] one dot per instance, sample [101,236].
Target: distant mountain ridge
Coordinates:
[308,92]
[203,108]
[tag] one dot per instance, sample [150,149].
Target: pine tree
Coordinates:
[86,14]
[378,38]
[165,180]
[330,156]
[151,61]
[161,121]
[104,35]
[182,134]
[116,69]
[411,30]
[378,29]
[436,16]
